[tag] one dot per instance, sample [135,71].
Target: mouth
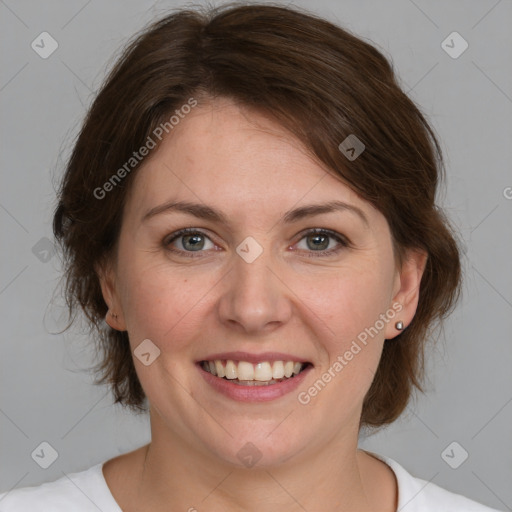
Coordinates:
[245,373]
[246,377]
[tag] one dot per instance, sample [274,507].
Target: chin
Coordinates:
[251,446]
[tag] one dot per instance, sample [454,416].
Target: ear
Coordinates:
[107,277]
[406,290]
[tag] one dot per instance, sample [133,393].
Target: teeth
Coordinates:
[245,371]
[219,369]
[263,372]
[278,370]
[231,372]
[249,374]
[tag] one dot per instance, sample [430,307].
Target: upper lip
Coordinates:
[254,358]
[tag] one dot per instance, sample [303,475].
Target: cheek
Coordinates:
[168,304]
[353,310]
[161,303]
[351,302]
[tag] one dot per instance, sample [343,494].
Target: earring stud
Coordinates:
[113,315]
[399,325]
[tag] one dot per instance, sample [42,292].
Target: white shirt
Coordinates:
[87,491]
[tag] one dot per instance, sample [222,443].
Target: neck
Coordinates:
[174,475]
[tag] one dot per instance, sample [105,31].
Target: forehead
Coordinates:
[239,160]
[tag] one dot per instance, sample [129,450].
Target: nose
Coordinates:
[255,298]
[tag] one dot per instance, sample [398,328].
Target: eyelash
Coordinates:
[312,254]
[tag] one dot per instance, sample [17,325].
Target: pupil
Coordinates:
[321,246]
[195,245]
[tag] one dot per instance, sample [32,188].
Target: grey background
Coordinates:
[46,391]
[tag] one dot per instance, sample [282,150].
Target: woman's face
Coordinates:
[251,284]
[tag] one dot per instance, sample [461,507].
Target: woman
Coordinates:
[250,206]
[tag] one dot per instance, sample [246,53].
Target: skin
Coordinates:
[245,165]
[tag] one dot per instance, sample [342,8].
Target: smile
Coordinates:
[245,373]
[248,377]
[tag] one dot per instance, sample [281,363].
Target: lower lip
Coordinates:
[253,393]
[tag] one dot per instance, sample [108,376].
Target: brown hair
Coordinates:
[321,83]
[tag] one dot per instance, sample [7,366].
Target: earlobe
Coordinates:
[114,317]
[111,319]
[408,293]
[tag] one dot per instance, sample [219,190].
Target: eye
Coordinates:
[319,240]
[195,241]
[192,241]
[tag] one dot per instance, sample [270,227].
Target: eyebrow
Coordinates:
[205,212]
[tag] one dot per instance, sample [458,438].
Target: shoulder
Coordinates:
[80,491]
[418,495]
